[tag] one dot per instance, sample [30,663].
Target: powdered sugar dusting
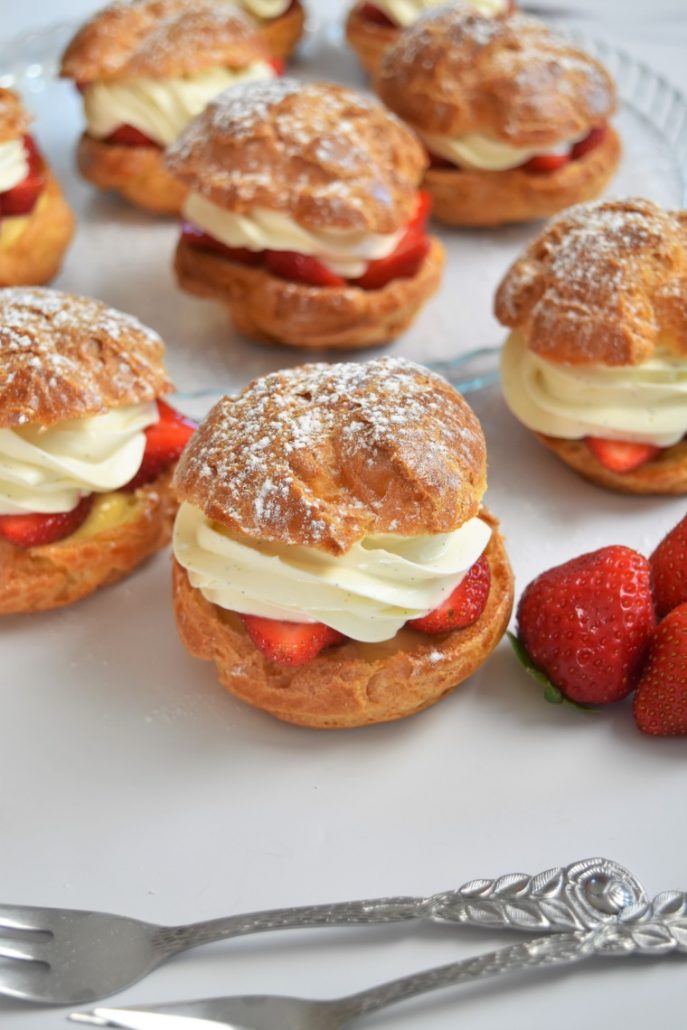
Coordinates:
[62,356]
[322,450]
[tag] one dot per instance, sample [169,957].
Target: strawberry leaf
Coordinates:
[553,694]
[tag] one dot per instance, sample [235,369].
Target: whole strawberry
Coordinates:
[660,704]
[669,569]
[587,624]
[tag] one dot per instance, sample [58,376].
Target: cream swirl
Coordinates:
[161,108]
[485,153]
[645,403]
[345,253]
[368,593]
[49,468]
[14,164]
[265,9]
[406,12]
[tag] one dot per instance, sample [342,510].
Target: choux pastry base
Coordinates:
[38,578]
[368,39]
[483,199]
[352,684]
[665,474]
[268,308]
[35,257]
[137,173]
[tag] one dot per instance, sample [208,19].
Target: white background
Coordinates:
[131,782]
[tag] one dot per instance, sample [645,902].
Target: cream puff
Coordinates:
[373,25]
[36,224]
[145,69]
[515,120]
[596,362]
[331,553]
[303,215]
[87,447]
[281,23]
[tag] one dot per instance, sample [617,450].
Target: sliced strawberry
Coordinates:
[128,136]
[290,643]
[203,241]
[435,161]
[23,197]
[277,64]
[583,146]
[621,455]
[301,268]
[404,263]
[36,529]
[463,607]
[542,163]
[371,13]
[82,86]
[33,154]
[165,440]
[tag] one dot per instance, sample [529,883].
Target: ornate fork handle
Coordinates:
[652,928]
[575,897]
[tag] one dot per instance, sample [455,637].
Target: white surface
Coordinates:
[132,782]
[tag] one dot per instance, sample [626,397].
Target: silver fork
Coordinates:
[68,956]
[654,928]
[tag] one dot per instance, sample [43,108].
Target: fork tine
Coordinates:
[23,950]
[30,981]
[23,917]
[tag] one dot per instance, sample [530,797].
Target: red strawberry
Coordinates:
[278,65]
[36,529]
[435,161]
[583,146]
[660,704]
[290,643]
[621,455]
[543,163]
[371,13]
[587,624]
[203,241]
[23,197]
[669,569]
[406,259]
[33,154]
[301,268]
[463,607]
[128,136]
[165,440]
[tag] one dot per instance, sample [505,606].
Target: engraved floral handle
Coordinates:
[567,898]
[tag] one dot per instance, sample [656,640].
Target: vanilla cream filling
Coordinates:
[644,403]
[406,12]
[48,469]
[14,164]
[265,9]
[368,593]
[487,154]
[161,108]
[344,253]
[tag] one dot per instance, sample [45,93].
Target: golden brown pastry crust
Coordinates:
[162,39]
[346,451]
[268,308]
[665,474]
[64,357]
[603,284]
[137,173]
[368,39]
[352,684]
[14,118]
[319,152]
[282,35]
[38,578]
[467,197]
[456,72]
[35,257]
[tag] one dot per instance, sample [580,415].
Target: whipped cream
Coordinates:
[645,403]
[161,108]
[406,12]
[345,253]
[368,593]
[14,164]
[265,9]
[48,469]
[488,154]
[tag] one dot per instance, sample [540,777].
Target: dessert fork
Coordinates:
[68,956]
[655,928]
